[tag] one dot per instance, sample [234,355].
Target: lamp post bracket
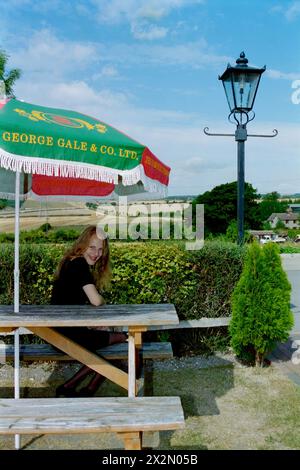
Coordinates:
[275,133]
[205,130]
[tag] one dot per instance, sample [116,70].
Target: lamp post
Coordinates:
[240,84]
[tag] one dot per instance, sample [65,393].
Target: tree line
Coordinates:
[220,210]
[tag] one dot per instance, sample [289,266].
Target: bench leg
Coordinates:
[82,355]
[132,440]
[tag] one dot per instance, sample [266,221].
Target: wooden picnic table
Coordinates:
[41,319]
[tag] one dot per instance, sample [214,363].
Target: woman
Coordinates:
[82,272]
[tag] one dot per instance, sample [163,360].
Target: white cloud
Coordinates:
[44,53]
[45,6]
[274,163]
[116,11]
[153,10]
[290,12]
[140,14]
[146,31]
[108,71]
[293,11]
[76,95]
[203,164]
[157,9]
[276,8]
[41,7]
[277,74]
[193,54]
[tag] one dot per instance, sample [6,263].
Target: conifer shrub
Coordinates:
[261,313]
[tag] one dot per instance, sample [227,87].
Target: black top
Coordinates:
[68,288]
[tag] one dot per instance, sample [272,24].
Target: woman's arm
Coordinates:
[93,295]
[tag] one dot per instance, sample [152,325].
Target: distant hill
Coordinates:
[291,196]
[285,196]
[185,197]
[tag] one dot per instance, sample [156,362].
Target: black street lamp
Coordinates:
[240,84]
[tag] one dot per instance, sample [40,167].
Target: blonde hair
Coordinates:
[101,269]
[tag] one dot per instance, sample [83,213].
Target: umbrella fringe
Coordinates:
[150,185]
[49,167]
[67,169]
[154,187]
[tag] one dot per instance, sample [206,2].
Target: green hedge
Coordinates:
[37,265]
[199,283]
[217,268]
[44,234]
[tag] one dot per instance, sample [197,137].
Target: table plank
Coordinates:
[46,352]
[65,415]
[88,315]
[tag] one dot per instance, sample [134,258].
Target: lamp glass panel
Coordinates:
[245,86]
[227,83]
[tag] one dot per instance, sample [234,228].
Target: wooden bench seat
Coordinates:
[46,352]
[128,417]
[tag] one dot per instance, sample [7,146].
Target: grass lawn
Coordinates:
[226,406]
[232,407]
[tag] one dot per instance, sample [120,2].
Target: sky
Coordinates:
[150,68]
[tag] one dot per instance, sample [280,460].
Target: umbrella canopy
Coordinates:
[72,148]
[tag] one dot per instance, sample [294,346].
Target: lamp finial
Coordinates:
[242,60]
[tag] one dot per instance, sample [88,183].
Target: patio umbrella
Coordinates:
[71,155]
[61,143]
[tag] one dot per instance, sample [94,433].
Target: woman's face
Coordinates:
[94,250]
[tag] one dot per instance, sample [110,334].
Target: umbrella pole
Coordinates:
[17,296]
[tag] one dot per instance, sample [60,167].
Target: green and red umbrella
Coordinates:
[68,152]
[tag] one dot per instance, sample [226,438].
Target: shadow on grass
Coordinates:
[165,443]
[198,388]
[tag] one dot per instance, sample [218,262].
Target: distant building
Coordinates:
[295,208]
[260,234]
[289,218]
